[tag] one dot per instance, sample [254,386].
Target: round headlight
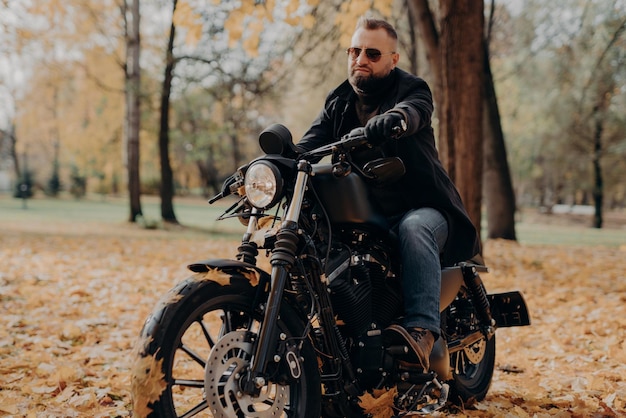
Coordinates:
[263,185]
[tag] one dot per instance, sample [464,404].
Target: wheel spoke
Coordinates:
[189,383]
[227,321]
[195,356]
[196,409]
[205,331]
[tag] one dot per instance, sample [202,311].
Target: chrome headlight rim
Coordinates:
[263,185]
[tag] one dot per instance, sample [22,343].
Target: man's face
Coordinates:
[362,70]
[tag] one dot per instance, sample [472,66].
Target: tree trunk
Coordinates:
[234,142]
[413,42]
[598,190]
[462,99]
[498,186]
[208,175]
[167,177]
[423,16]
[13,150]
[498,190]
[133,84]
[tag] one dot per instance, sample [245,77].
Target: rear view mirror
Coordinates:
[385,171]
[276,139]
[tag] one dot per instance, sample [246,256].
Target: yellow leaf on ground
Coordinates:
[148,382]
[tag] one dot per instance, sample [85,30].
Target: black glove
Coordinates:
[380,128]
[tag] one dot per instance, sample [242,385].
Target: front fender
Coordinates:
[212,278]
[221,270]
[230,267]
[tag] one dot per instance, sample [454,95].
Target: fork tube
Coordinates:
[253,224]
[282,259]
[293,213]
[248,250]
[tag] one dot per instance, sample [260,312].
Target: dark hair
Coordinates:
[373,24]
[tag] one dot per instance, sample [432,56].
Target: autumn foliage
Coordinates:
[74,297]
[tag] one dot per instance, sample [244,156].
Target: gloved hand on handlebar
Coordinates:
[380,128]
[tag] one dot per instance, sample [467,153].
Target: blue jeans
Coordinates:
[422,234]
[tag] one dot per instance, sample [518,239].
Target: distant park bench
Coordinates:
[573,209]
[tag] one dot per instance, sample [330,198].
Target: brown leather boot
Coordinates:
[420,342]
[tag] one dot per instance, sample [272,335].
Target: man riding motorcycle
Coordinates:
[395,108]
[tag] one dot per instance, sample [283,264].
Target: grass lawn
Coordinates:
[194,214]
[198,217]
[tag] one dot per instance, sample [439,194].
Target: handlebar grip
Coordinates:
[216,198]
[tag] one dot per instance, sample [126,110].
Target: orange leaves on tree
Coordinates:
[186,17]
[247,22]
[383,6]
[350,12]
[49,8]
[235,26]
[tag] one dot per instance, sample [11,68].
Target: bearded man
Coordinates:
[423,206]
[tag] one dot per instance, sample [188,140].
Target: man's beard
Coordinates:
[368,85]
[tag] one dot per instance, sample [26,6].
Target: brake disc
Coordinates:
[228,359]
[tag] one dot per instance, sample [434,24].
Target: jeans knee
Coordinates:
[425,226]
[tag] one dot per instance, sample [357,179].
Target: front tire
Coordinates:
[185,339]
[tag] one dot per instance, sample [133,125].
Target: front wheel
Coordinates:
[197,347]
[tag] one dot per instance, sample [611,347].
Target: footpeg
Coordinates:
[436,402]
[423,399]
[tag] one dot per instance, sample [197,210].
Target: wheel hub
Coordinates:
[227,362]
[476,351]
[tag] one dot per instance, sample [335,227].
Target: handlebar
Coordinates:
[354,139]
[349,142]
[227,189]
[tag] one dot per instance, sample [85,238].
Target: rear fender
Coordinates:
[451,282]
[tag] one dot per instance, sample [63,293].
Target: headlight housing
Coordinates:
[263,184]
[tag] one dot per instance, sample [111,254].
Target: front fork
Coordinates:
[282,260]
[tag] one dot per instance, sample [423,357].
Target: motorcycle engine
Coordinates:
[363,298]
[365,302]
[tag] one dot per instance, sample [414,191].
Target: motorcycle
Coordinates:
[307,338]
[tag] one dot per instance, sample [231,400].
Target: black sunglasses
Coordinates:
[372,54]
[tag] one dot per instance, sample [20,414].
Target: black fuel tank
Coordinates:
[346,200]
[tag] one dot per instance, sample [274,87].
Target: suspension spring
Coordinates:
[474,284]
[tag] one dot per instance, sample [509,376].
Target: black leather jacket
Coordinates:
[426,183]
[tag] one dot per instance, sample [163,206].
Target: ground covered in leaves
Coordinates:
[73,299]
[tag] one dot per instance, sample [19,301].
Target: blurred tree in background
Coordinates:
[213,74]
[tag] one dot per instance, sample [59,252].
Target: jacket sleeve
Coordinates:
[415,102]
[321,130]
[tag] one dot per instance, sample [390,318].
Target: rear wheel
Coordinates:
[472,367]
[473,370]
[203,343]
